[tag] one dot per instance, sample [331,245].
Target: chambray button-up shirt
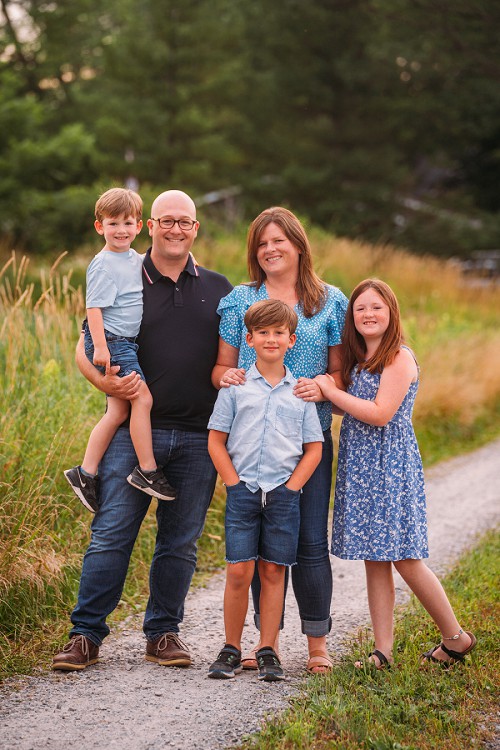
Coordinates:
[267,428]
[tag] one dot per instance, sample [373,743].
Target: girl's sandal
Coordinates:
[319,663]
[384,662]
[454,655]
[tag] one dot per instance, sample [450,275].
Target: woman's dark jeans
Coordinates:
[312,576]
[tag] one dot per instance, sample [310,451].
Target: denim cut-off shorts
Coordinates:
[123,352]
[262,526]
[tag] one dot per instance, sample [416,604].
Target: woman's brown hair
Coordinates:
[311,291]
[353,343]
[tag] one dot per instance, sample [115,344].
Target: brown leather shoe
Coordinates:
[169,651]
[78,653]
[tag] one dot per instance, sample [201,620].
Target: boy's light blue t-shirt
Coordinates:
[267,428]
[114,283]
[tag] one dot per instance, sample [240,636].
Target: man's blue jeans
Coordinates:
[189,469]
[312,576]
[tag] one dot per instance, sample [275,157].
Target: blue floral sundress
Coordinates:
[380,509]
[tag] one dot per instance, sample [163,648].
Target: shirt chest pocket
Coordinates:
[288,421]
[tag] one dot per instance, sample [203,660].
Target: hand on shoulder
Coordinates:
[233,376]
[326,384]
[308,389]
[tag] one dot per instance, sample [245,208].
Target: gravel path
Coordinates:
[127,703]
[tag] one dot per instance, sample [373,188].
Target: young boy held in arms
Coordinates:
[265,444]
[114,314]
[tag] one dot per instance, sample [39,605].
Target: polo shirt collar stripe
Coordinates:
[145,272]
[192,260]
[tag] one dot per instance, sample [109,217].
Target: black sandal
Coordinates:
[384,661]
[454,655]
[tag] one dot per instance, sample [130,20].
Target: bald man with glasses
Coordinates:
[178,343]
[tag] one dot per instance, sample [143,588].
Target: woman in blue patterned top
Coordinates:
[280,267]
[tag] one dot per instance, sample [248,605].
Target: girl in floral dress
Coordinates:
[380,513]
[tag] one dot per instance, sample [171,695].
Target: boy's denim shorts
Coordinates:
[123,352]
[269,531]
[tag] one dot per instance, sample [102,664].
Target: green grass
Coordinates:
[409,707]
[440,439]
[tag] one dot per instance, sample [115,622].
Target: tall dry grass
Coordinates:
[460,377]
[43,409]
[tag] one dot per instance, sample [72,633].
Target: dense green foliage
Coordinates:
[377,119]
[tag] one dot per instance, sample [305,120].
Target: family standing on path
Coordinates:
[197,336]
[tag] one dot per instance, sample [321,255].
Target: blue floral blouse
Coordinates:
[309,356]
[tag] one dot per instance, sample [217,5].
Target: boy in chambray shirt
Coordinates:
[265,444]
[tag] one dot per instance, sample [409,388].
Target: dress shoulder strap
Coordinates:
[403,346]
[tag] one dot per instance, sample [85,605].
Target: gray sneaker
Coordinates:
[85,488]
[153,483]
[227,664]
[270,669]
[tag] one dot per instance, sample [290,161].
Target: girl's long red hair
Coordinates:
[353,343]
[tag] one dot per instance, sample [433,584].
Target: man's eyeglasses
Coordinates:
[168,223]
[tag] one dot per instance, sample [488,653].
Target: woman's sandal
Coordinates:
[384,662]
[319,663]
[454,655]
[250,660]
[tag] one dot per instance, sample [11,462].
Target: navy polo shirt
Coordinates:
[178,343]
